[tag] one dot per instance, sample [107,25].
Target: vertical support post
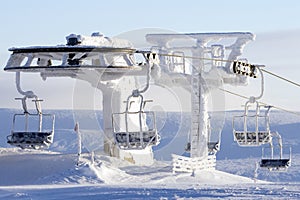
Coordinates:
[108,103]
[255,172]
[141,130]
[76,129]
[93,157]
[272,149]
[280,145]
[199,133]
[39,112]
[257,125]
[26,122]
[140,120]
[126,125]
[40,122]
[245,122]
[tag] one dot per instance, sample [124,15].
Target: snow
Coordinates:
[53,174]
[32,173]
[95,192]
[102,41]
[47,175]
[36,167]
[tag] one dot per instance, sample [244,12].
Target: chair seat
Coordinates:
[30,138]
[136,140]
[252,137]
[275,163]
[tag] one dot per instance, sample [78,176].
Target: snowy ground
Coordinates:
[53,174]
[49,175]
[115,192]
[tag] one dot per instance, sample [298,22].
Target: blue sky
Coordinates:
[34,22]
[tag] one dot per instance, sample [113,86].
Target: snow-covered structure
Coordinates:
[202,59]
[103,62]
[205,59]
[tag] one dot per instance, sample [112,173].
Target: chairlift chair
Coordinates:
[257,137]
[132,129]
[273,163]
[31,137]
[135,129]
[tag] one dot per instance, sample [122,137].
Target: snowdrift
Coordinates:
[46,168]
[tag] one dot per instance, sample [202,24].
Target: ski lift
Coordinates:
[135,128]
[28,136]
[276,163]
[247,136]
[261,133]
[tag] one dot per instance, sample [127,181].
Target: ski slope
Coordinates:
[48,175]
[53,174]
